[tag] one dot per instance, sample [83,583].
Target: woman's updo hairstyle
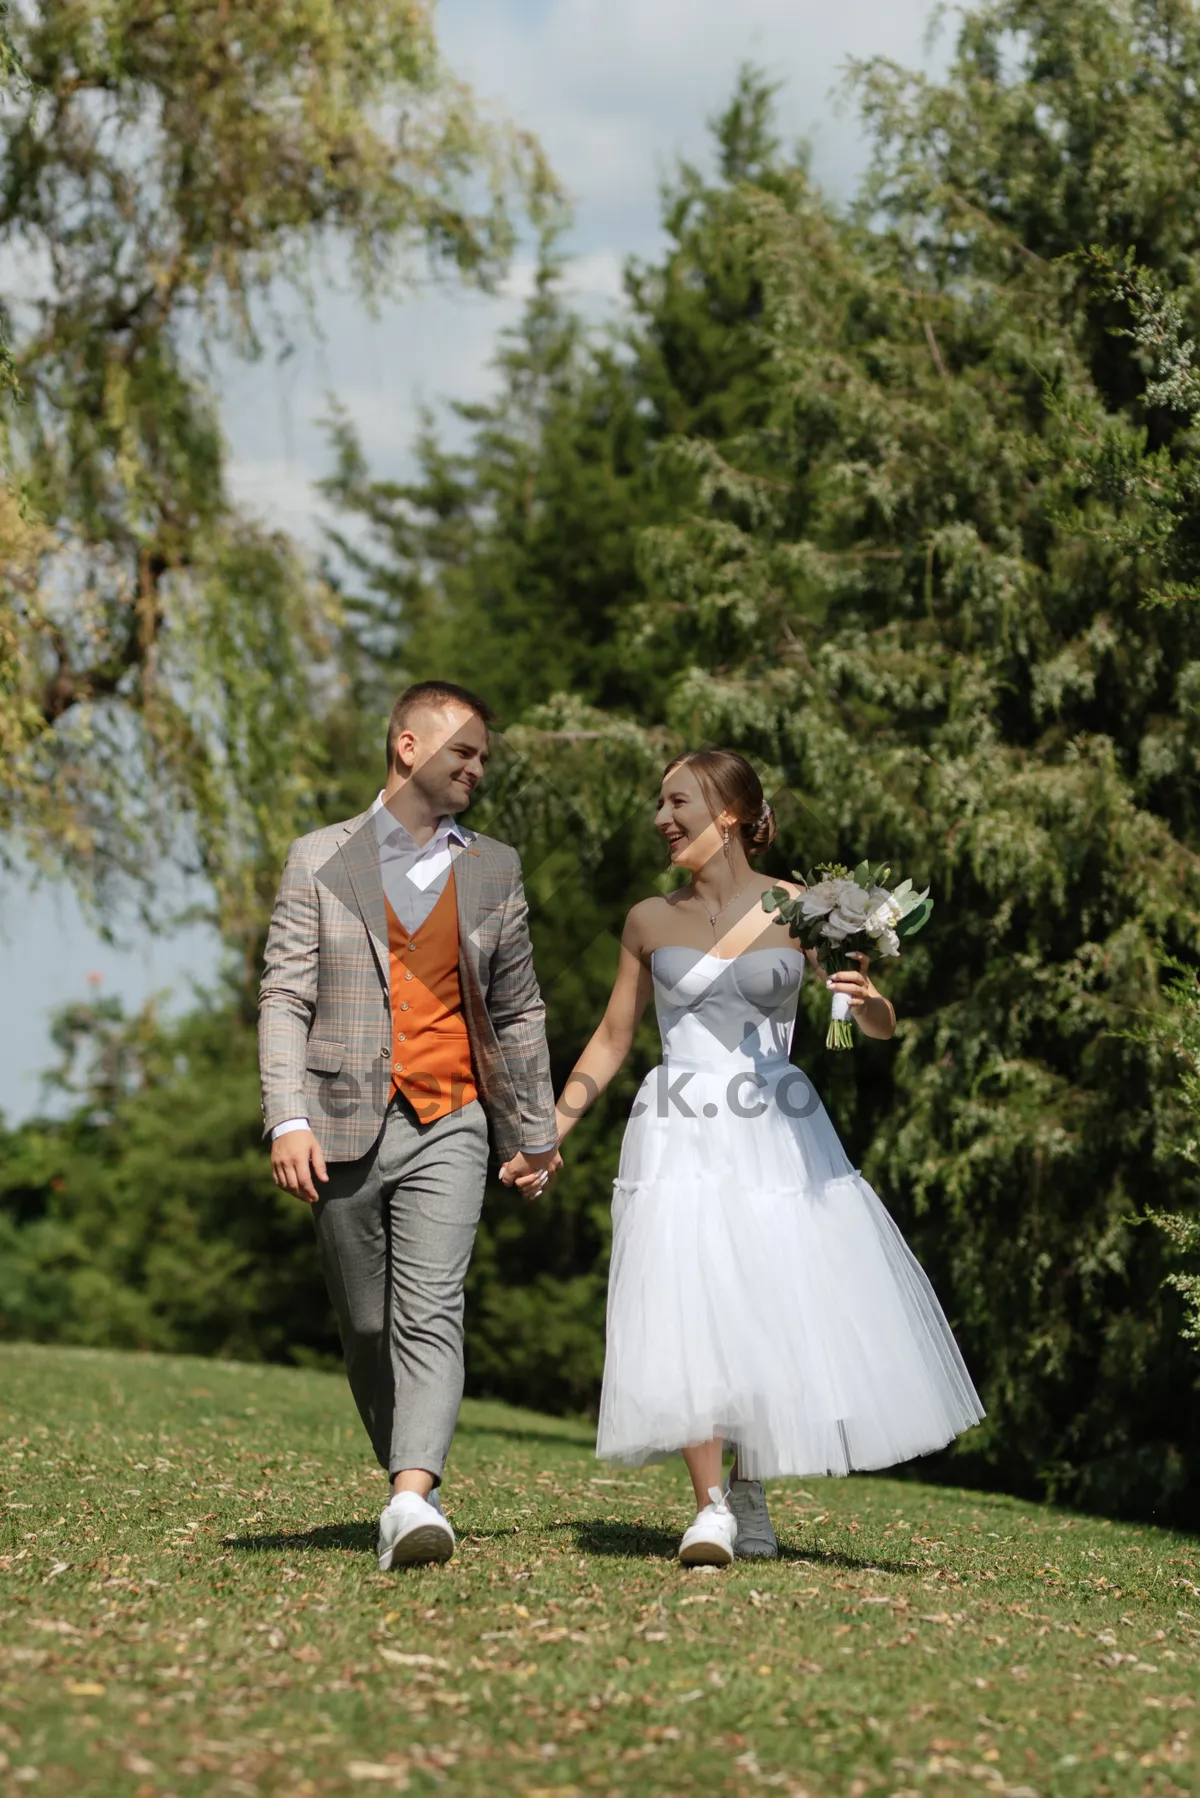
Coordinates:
[729,784]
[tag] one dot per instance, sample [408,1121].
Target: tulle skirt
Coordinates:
[760,1291]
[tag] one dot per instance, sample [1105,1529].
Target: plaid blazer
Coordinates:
[325,1007]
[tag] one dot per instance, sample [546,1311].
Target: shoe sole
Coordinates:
[706,1554]
[756,1554]
[424,1544]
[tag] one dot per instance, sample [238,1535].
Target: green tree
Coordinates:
[147,1218]
[875,497]
[167,171]
[512,566]
[887,570]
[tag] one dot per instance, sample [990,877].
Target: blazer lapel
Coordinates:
[464,859]
[360,857]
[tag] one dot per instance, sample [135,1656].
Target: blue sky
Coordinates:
[617,90]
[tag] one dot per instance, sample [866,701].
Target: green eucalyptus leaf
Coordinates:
[915,919]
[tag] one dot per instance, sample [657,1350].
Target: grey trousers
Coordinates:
[395,1231]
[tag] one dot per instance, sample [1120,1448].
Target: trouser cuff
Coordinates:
[422,1458]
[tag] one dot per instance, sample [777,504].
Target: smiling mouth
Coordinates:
[673,837]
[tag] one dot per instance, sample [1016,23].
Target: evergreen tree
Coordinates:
[887,571]
[876,498]
[148,1219]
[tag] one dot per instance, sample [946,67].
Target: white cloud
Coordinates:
[618,88]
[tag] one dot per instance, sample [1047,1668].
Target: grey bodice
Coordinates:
[726,1015]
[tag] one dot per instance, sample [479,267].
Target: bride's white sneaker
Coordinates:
[709,1542]
[755,1533]
[412,1530]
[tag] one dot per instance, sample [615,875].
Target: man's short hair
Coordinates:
[432,694]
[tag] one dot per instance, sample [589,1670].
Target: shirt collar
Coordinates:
[387,824]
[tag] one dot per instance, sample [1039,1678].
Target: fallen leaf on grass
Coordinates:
[382,1772]
[397,1659]
[84,1688]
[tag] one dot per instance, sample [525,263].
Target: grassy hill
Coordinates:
[190,1604]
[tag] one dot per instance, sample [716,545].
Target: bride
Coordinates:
[760,1295]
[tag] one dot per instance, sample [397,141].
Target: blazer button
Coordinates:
[385,1051]
[402,1038]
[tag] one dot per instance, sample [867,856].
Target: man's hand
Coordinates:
[295,1159]
[531,1172]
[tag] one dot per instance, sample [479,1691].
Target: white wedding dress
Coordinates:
[759,1291]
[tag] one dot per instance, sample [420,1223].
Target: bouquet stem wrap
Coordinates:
[840,1034]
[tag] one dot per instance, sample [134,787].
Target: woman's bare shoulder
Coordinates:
[645,920]
[647,910]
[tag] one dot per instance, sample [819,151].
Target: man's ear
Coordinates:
[405,747]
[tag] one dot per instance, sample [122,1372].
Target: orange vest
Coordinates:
[431,1052]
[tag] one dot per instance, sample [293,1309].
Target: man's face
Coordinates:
[446,749]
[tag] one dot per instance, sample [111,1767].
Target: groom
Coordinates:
[399,1018]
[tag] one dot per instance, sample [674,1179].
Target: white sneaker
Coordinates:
[709,1542]
[412,1530]
[755,1534]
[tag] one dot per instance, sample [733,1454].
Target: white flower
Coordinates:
[887,942]
[885,913]
[816,901]
[850,914]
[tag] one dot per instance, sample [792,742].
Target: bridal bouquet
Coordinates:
[840,914]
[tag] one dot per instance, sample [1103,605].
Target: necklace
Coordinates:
[714,915]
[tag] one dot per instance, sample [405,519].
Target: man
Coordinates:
[399,1016]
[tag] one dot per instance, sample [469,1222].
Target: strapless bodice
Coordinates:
[726,1015]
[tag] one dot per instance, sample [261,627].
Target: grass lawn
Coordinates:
[190,1603]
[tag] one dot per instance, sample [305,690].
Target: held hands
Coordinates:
[531,1173]
[296,1159]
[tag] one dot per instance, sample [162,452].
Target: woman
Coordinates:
[760,1294]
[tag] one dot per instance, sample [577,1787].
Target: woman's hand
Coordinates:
[855,984]
[870,1010]
[531,1173]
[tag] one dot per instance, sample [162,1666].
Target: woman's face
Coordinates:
[692,833]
